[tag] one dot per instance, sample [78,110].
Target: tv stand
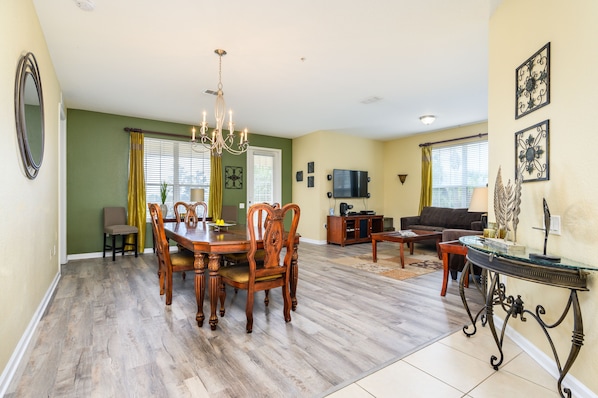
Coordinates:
[358,228]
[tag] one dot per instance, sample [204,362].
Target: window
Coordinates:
[456,170]
[177,164]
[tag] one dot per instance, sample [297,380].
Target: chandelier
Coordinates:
[216,142]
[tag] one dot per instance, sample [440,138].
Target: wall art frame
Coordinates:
[310,181]
[310,167]
[532,153]
[233,177]
[299,176]
[532,83]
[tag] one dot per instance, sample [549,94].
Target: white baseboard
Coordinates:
[578,389]
[83,256]
[13,363]
[313,241]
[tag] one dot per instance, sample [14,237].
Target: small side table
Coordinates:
[446,248]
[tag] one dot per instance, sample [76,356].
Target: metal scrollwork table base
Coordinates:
[494,263]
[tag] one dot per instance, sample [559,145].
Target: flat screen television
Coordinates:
[349,183]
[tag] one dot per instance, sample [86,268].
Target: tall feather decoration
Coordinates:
[506,206]
[498,197]
[516,206]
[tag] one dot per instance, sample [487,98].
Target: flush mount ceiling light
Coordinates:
[427,119]
[85,5]
[215,142]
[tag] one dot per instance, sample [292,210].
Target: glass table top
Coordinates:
[479,243]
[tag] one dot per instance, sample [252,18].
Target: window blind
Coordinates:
[456,170]
[175,163]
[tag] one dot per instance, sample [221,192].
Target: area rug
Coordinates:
[389,264]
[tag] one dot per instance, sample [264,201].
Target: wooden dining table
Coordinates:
[209,242]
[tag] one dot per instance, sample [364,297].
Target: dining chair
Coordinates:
[115,224]
[272,273]
[236,258]
[167,262]
[191,215]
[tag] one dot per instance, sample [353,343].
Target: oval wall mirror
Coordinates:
[29,114]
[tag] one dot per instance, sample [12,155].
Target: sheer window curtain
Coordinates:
[136,189]
[426,192]
[215,201]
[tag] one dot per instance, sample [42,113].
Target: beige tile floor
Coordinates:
[455,367]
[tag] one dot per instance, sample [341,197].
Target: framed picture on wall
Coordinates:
[233,177]
[532,83]
[531,153]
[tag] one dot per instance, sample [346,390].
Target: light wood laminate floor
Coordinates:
[107,332]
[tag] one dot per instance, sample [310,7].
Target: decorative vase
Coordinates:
[164,209]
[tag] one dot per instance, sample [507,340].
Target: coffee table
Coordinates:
[402,238]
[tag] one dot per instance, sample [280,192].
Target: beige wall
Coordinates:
[403,156]
[29,210]
[382,160]
[330,151]
[518,28]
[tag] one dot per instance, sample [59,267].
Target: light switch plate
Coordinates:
[241,205]
[555,225]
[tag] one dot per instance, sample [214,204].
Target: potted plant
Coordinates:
[163,195]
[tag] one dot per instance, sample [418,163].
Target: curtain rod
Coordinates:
[454,139]
[134,130]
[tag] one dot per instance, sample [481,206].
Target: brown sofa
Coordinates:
[441,218]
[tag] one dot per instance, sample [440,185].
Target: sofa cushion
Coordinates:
[448,218]
[426,227]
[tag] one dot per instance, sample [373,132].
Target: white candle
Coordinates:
[204,117]
[193,134]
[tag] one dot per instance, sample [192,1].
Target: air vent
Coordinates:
[85,5]
[212,92]
[371,100]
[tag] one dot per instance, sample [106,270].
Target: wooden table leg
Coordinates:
[294,278]
[374,250]
[402,255]
[445,268]
[213,266]
[200,286]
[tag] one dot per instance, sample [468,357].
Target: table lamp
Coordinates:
[479,203]
[197,194]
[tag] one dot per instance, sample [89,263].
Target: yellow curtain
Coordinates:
[426,194]
[136,193]
[215,200]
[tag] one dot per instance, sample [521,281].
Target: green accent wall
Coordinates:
[98,167]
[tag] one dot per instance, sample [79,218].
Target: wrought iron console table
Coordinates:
[495,262]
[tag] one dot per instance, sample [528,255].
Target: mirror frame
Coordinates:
[26,68]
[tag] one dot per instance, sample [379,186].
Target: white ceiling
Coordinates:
[293,67]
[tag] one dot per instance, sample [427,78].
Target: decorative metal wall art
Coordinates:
[531,153]
[532,83]
[233,177]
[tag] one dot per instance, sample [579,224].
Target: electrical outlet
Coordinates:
[555,225]
[241,205]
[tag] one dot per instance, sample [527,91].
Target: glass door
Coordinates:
[264,175]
